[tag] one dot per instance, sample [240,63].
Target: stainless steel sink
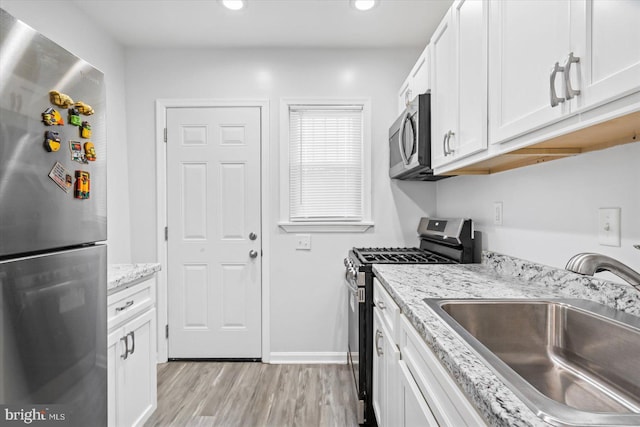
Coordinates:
[573,362]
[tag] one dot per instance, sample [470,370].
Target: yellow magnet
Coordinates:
[83,108]
[90,151]
[60,99]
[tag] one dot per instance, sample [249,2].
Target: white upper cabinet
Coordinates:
[606,38]
[417,82]
[551,59]
[459,83]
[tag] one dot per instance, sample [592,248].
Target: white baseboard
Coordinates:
[328,357]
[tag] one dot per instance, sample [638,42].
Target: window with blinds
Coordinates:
[325,163]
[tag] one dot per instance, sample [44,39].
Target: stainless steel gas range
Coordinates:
[442,241]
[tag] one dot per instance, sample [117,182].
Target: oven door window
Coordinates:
[408,139]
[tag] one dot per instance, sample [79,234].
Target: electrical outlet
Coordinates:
[497,213]
[609,226]
[303,242]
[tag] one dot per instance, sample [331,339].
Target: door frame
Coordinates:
[161,207]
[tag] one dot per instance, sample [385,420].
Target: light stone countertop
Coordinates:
[121,275]
[499,276]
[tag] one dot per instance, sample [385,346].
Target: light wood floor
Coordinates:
[252,394]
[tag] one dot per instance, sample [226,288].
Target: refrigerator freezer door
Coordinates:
[53,334]
[35,213]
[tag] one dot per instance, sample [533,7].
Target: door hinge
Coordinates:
[165,134]
[166,234]
[166,331]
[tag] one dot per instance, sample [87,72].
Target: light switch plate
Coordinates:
[609,226]
[303,242]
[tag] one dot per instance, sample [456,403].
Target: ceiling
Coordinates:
[267,23]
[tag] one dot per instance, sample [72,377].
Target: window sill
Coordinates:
[325,227]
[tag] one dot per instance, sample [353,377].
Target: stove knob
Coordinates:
[346,262]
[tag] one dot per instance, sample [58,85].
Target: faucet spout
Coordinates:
[590,263]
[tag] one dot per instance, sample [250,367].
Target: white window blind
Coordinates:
[325,163]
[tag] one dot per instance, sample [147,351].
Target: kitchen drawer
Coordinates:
[123,305]
[389,310]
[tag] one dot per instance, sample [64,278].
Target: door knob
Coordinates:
[253,236]
[253,254]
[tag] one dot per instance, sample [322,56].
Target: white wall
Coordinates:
[550,210]
[74,31]
[308,300]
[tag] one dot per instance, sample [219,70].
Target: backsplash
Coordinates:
[620,296]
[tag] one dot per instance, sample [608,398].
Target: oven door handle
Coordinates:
[358,292]
[352,288]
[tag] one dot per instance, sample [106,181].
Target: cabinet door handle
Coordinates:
[378,348]
[555,101]
[568,90]
[444,144]
[449,135]
[380,305]
[125,306]
[407,97]
[126,348]
[131,334]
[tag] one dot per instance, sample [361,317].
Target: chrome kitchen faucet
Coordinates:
[590,263]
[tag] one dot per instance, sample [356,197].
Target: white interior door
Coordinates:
[214,236]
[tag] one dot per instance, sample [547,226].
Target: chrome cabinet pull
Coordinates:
[555,100]
[380,305]
[253,254]
[125,306]
[126,348]
[407,97]
[570,93]
[378,348]
[444,144]
[253,236]
[132,334]
[449,135]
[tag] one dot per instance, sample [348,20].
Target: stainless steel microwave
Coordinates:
[410,142]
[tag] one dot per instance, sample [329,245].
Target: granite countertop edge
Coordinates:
[498,276]
[121,275]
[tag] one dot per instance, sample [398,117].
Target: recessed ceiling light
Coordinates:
[233,4]
[364,4]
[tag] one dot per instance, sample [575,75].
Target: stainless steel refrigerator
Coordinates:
[53,216]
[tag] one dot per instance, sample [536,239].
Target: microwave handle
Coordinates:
[401,140]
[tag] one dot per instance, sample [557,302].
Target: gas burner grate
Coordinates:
[399,256]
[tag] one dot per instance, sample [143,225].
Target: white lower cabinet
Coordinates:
[386,356]
[433,383]
[132,382]
[411,388]
[414,411]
